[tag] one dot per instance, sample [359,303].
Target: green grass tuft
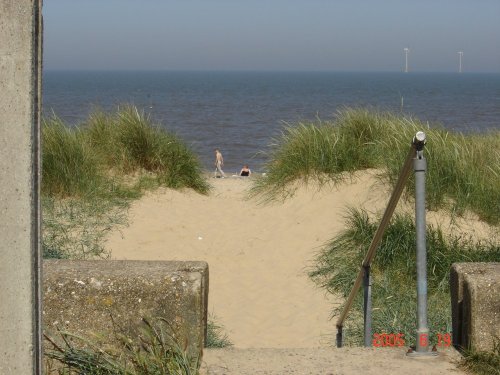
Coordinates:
[70,168]
[153,351]
[483,363]
[216,337]
[76,228]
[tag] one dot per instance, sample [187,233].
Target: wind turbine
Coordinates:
[406,59]
[460,55]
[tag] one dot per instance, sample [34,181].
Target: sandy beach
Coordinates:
[258,254]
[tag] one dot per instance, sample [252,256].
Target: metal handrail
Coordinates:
[364,272]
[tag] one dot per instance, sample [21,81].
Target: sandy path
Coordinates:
[258,255]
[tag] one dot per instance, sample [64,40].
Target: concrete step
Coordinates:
[326,361]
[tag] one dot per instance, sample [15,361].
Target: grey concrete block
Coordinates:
[475,302]
[481,310]
[80,296]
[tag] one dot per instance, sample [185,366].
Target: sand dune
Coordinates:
[258,254]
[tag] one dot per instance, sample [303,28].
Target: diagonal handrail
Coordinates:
[391,206]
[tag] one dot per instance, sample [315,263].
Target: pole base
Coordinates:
[424,354]
[339,337]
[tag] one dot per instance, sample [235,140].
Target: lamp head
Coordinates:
[419,140]
[420,136]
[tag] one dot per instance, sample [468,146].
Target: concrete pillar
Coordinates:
[20,98]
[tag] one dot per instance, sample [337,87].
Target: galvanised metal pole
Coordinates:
[367,309]
[420,167]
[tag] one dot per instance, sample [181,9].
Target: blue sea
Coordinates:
[241,112]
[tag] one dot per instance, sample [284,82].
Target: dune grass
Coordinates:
[69,166]
[153,351]
[463,170]
[94,158]
[216,336]
[91,172]
[482,363]
[76,228]
[394,273]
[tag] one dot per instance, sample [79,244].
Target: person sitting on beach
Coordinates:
[219,163]
[245,171]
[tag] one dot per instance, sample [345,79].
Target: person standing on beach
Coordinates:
[219,163]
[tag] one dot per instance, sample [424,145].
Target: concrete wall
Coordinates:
[475,302]
[20,96]
[80,296]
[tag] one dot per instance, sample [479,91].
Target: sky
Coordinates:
[286,35]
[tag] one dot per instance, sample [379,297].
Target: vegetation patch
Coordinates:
[463,170]
[75,228]
[463,174]
[483,363]
[394,274]
[91,173]
[216,336]
[153,351]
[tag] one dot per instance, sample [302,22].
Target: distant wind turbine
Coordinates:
[460,55]
[406,59]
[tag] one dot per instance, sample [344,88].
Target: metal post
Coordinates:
[420,167]
[339,337]
[367,307]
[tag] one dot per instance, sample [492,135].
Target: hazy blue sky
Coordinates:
[339,35]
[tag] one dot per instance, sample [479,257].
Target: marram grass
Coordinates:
[90,173]
[154,350]
[216,336]
[75,228]
[95,158]
[394,273]
[463,170]
[69,167]
[482,363]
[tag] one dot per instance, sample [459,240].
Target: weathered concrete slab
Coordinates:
[481,310]
[324,361]
[475,302]
[20,93]
[80,296]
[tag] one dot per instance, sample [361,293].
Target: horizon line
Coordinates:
[261,71]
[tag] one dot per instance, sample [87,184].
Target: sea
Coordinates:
[242,113]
